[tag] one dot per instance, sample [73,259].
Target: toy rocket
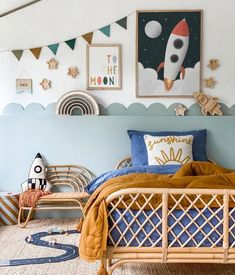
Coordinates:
[37,169]
[208,104]
[176,50]
[37,176]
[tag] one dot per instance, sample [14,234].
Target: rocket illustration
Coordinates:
[176,50]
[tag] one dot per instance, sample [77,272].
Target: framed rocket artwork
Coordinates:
[168,53]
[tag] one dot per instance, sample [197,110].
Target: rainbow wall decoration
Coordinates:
[77,100]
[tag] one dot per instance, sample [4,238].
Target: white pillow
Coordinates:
[167,150]
[37,176]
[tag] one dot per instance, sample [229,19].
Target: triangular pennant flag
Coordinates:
[36,52]
[88,37]
[18,54]
[106,30]
[71,43]
[54,48]
[122,22]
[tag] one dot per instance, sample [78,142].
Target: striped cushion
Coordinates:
[37,176]
[41,184]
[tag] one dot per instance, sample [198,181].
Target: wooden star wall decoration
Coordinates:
[52,64]
[46,84]
[213,64]
[73,72]
[210,83]
[180,110]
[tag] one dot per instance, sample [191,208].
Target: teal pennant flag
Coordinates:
[122,22]
[54,48]
[18,54]
[106,30]
[71,43]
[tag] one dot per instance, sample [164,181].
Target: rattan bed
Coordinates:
[165,249]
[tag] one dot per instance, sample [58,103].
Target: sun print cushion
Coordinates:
[138,149]
[169,150]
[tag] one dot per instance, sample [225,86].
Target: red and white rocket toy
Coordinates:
[176,50]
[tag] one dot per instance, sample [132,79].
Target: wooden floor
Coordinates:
[12,246]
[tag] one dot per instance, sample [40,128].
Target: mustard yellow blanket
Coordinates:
[93,239]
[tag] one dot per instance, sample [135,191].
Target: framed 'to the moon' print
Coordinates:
[168,62]
[104,67]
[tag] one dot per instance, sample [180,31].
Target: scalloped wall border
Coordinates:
[115,109]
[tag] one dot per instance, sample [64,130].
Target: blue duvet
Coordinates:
[149,169]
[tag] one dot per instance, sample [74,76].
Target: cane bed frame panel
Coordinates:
[221,222]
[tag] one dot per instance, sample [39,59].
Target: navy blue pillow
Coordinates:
[139,153]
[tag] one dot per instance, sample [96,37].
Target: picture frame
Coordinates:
[168,53]
[104,67]
[24,85]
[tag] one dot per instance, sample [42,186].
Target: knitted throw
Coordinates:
[30,197]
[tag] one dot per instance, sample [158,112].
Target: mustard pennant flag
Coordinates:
[36,52]
[88,37]
[18,54]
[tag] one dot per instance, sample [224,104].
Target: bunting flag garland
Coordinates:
[36,52]
[122,22]
[18,54]
[54,48]
[105,30]
[71,43]
[88,37]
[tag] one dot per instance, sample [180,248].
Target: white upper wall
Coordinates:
[50,21]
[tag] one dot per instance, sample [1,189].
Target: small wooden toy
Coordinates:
[29,239]
[213,64]
[73,72]
[180,110]
[55,229]
[208,104]
[52,241]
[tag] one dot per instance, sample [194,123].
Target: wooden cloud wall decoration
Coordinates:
[77,100]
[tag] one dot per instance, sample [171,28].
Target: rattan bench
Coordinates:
[73,176]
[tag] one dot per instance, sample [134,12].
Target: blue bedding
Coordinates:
[154,237]
[150,169]
[176,237]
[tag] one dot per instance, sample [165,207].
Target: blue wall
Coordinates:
[95,142]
